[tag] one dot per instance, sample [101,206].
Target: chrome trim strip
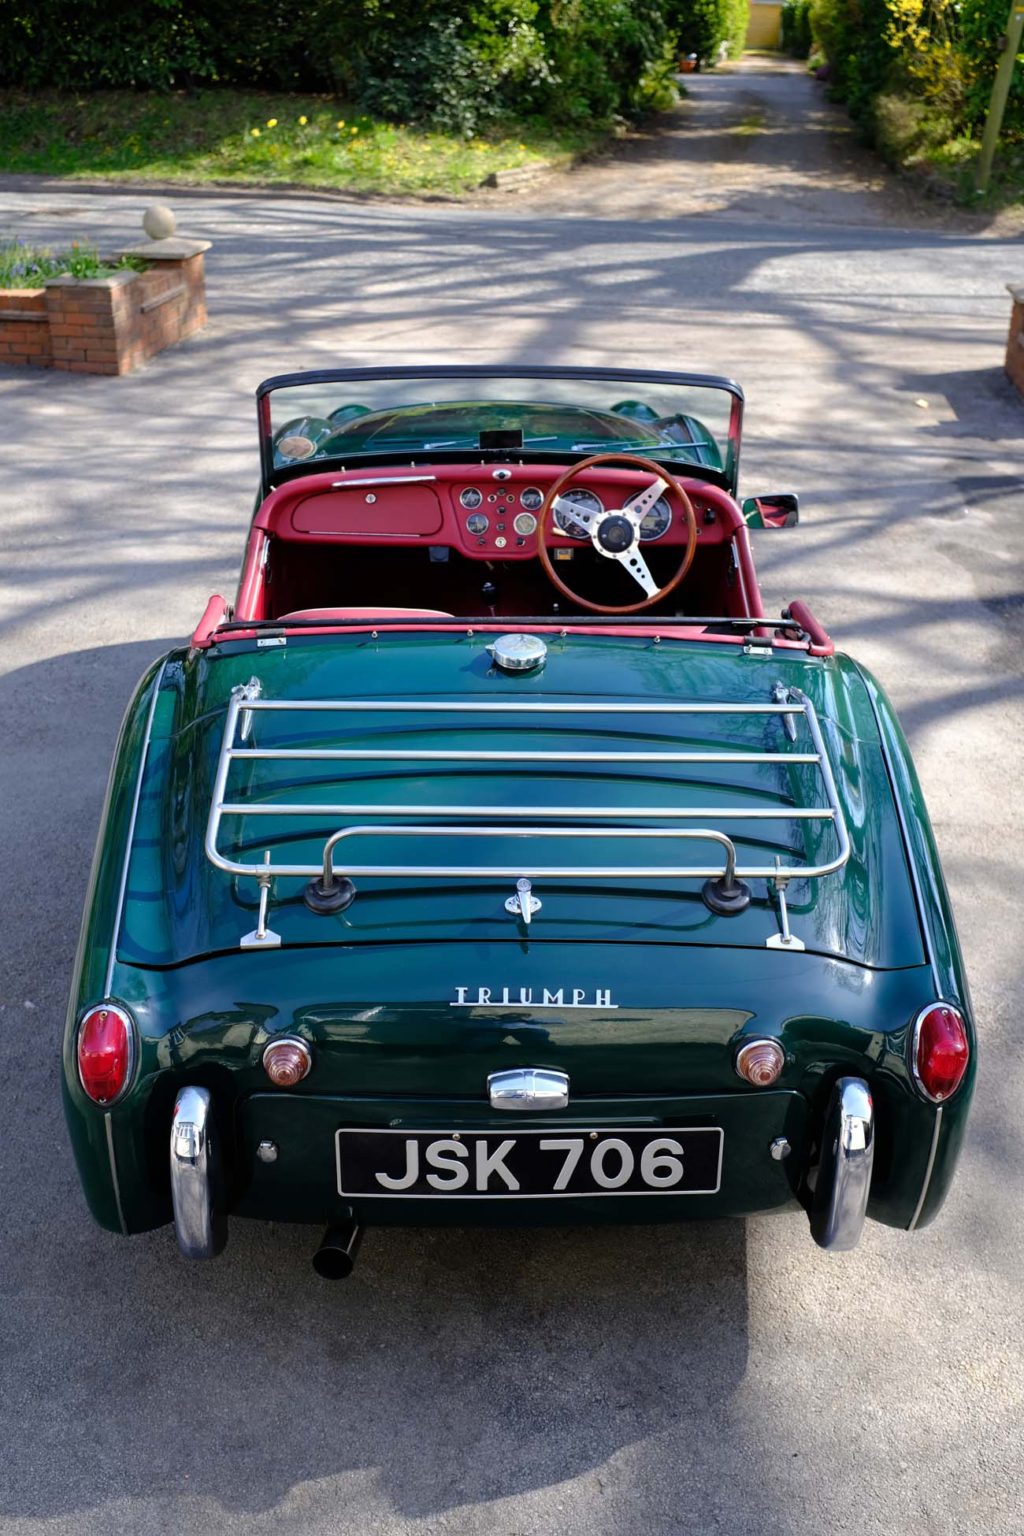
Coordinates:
[118,914]
[929,1168]
[915,881]
[926,937]
[386,480]
[143,759]
[109,1128]
[199,1223]
[844,1172]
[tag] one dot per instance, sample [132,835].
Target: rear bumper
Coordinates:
[300,1184]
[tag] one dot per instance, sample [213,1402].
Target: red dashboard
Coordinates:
[487,512]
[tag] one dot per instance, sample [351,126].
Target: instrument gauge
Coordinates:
[478,522]
[656,522]
[525,523]
[532,499]
[564,521]
[471,498]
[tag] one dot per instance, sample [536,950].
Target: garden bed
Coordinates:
[138,304]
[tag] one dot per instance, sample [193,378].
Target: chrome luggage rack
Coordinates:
[331,889]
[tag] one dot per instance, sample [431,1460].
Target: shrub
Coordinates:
[703,27]
[796,28]
[852,34]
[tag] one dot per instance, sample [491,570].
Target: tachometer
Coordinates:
[657,521]
[564,521]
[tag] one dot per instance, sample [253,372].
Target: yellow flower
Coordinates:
[271,122]
[522,146]
[340,123]
[303,121]
[255,132]
[353,130]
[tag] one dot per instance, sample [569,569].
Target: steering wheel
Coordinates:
[616,534]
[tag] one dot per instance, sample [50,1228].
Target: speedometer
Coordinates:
[566,523]
[656,522]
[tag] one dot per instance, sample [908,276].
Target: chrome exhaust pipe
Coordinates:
[336,1256]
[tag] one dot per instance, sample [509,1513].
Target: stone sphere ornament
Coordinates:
[159,222]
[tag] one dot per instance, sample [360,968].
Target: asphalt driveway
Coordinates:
[722,1378]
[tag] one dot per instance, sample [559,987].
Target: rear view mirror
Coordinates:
[779,511]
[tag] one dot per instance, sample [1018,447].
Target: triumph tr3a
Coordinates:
[493,857]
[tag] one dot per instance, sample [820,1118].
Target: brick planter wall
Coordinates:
[108,324]
[1015,341]
[24,328]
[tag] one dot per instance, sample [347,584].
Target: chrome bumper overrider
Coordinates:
[844,1174]
[199,1221]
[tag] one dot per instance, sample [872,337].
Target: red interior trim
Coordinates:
[821,641]
[214,614]
[503,627]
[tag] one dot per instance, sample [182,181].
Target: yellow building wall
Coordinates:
[765,26]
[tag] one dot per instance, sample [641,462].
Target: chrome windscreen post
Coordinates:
[262,937]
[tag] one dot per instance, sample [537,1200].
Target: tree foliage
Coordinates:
[937,58]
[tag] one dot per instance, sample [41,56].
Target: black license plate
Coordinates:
[540,1165]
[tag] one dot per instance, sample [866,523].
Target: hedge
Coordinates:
[796,28]
[453,65]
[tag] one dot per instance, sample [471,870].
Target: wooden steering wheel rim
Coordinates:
[632,461]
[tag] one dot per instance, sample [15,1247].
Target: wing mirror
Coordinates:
[778,511]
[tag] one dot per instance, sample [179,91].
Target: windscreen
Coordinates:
[348,418]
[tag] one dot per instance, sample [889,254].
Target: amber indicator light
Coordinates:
[759,1062]
[286,1062]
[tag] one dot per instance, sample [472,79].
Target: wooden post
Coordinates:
[1000,91]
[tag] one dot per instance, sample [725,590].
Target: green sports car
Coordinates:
[494,858]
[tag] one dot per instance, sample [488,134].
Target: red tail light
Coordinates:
[941,1051]
[106,1052]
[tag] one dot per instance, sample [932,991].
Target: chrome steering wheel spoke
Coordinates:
[574,512]
[637,567]
[643,502]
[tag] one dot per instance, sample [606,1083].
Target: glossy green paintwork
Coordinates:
[372,989]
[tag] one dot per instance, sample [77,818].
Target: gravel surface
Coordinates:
[726,1378]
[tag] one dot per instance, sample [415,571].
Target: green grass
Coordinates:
[257,138]
[27,266]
